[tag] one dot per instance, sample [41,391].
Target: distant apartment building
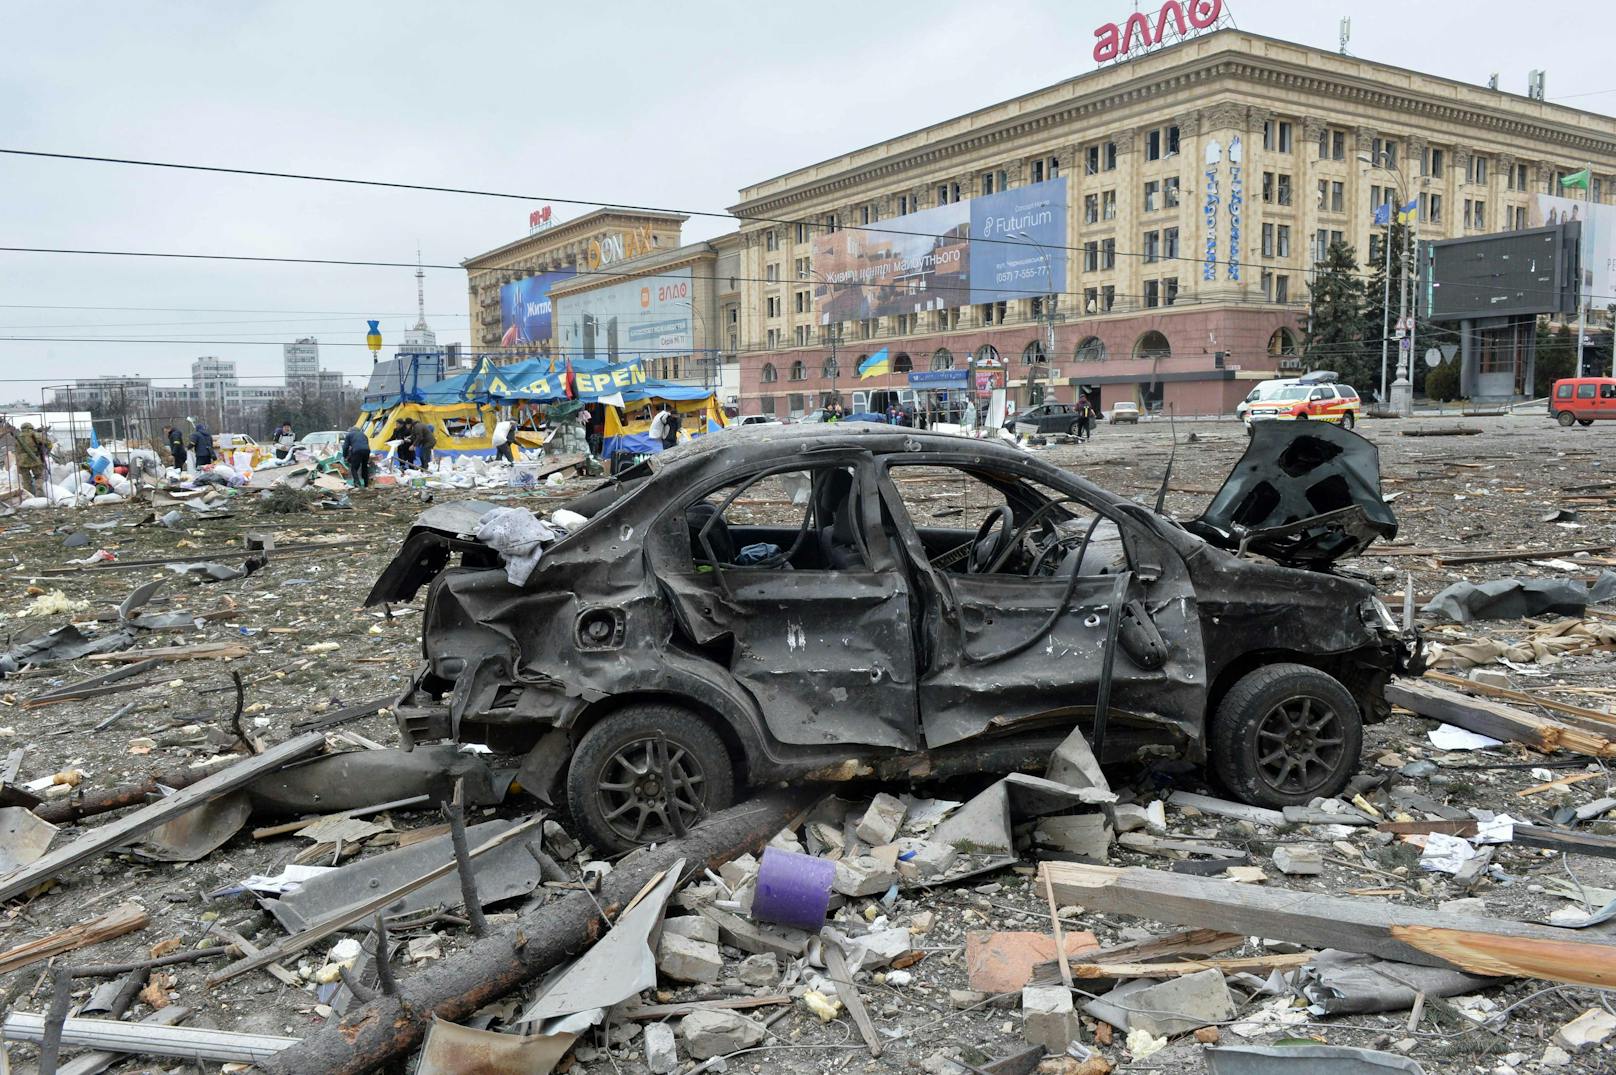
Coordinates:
[302,359]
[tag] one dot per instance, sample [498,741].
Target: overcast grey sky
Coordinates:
[662,104]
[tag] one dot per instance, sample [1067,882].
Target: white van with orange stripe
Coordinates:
[1308,400]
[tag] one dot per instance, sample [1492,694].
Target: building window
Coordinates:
[1267,285]
[771,240]
[1091,208]
[1282,288]
[987,182]
[1384,152]
[1034,355]
[774,338]
[1268,188]
[1169,291]
[1338,195]
[1152,345]
[1108,298]
[1152,195]
[993,313]
[766,406]
[1284,240]
[1091,256]
[1108,205]
[830,224]
[803,231]
[1092,349]
[1108,254]
[1170,189]
[1152,247]
[1091,161]
[799,372]
[942,359]
[771,273]
[1520,217]
[1284,189]
[802,302]
[804,334]
[1433,162]
[1170,244]
[773,305]
[1478,169]
[903,204]
[1091,300]
[1152,294]
[1108,157]
[1337,237]
[1267,240]
[1276,135]
[1321,245]
[1435,208]
[1037,171]
[1324,195]
[830,368]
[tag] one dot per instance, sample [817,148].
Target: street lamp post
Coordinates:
[1049,316]
[1401,394]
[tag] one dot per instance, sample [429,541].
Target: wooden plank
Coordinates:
[1263,965]
[1156,845]
[1597,718]
[836,968]
[205,651]
[126,829]
[247,948]
[96,683]
[1504,556]
[124,918]
[354,912]
[1496,719]
[1584,843]
[1375,927]
[1560,782]
[674,1011]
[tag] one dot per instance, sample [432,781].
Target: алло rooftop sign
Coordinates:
[1174,22]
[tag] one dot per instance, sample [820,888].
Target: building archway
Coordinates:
[769,373]
[1092,349]
[1282,342]
[1034,354]
[799,372]
[1152,345]
[942,359]
[831,367]
[987,355]
[902,363]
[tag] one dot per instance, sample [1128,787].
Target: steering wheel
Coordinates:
[1045,558]
[992,540]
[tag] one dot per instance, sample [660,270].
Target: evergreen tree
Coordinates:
[1376,296]
[1556,357]
[1336,330]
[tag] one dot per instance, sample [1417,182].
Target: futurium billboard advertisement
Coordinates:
[1598,242]
[524,308]
[1005,246]
[634,319]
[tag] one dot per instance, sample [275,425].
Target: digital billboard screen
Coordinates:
[1005,246]
[524,308]
[636,318]
[1511,273]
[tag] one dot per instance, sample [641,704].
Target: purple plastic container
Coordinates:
[793,889]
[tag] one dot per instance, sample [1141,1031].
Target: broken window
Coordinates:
[802,519]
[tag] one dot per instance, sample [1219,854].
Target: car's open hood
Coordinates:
[1305,493]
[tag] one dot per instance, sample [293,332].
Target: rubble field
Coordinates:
[941,967]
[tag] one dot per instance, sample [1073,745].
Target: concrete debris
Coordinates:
[1048,1018]
[1181,1004]
[661,1049]
[1586,1031]
[882,820]
[1298,859]
[759,970]
[714,1033]
[1088,836]
[864,875]
[688,950]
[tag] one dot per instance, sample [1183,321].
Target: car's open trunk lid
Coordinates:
[1305,494]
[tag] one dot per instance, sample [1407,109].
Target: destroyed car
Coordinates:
[848,600]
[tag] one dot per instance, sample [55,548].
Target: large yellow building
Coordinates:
[1200,183]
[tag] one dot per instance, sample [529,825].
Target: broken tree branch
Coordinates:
[371,1035]
[61,811]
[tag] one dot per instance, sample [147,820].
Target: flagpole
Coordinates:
[1386,314]
[1582,294]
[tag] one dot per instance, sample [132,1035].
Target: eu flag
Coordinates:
[1383,214]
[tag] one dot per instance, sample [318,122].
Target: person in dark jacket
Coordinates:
[356,451]
[425,438]
[406,447]
[202,445]
[176,446]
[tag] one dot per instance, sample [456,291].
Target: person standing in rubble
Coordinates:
[284,439]
[504,434]
[424,436]
[405,450]
[33,448]
[176,445]
[202,445]
[356,453]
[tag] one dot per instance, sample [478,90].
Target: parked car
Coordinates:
[1335,403]
[681,642]
[1583,400]
[1046,418]
[1124,411]
[755,420]
[322,443]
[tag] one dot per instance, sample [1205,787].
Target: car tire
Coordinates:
[1348,421]
[616,819]
[1566,418]
[1585,421]
[1306,716]
[1075,429]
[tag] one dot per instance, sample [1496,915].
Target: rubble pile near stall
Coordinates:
[194,875]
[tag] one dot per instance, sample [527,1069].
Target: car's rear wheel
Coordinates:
[1284,735]
[1566,418]
[1585,421]
[1075,429]
[639,768]
[1348,421]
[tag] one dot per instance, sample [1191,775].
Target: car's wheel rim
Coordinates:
[1300,744]
[636,793]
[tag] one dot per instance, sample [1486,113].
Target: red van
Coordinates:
[1583,399]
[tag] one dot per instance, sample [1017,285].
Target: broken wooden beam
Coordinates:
[124,918]
[1592,719]
[1487,717]
[131,827]
[1504,556]
[1261,965]
[1579,843]
[370,1036]
[201,651]
[1487,946]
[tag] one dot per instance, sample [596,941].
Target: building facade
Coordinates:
[302,359]
[1196,186]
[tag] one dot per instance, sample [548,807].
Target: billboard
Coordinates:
[937,259]
[636,318]
[524,308]
[1598,241]
[1506,274]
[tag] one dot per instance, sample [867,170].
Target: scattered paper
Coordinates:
[1447,737]
[1445,854]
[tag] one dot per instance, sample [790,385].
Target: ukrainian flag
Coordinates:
[875,365]
[1411,211]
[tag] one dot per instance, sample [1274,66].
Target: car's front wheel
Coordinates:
[642,767]
[1585,422]
[1284,735]
[1348,421]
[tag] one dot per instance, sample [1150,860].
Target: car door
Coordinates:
[1607,400]
[1004,652]
[822,639]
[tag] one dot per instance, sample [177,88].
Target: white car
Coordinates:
[1124,412]
[756,420]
